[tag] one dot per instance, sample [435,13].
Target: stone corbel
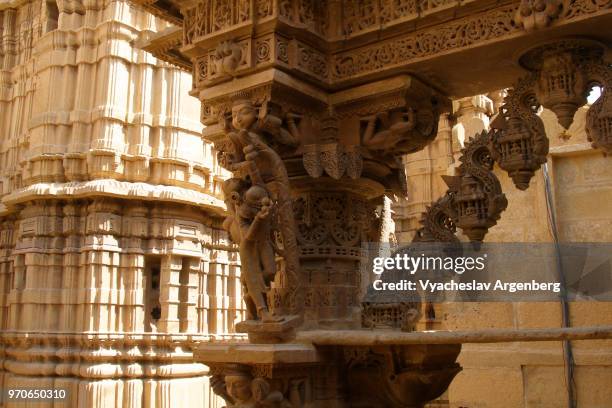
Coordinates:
[477,191]
[599,115]
[438,221]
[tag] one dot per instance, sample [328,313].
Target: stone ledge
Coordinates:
[246,353]
[113,188]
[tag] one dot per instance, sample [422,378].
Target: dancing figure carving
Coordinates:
[262,185]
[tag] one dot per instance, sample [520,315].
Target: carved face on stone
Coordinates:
[233,189]
[239,387]
[244,114]
[253,200]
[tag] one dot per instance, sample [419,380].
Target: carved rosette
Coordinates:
[519,143]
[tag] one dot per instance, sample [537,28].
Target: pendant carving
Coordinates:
[519,143]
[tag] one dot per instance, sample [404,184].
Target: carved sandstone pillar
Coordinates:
[310,165]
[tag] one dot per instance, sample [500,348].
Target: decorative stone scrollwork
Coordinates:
[439,221]
[536,14]
[519,142]
[599,115]
[477,192]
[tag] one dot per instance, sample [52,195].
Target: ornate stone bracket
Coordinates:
[519,142]
[399,376]
[474,200]
[438,221]
[563,73]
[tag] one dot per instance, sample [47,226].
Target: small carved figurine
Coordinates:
[396,126]
[248,122]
